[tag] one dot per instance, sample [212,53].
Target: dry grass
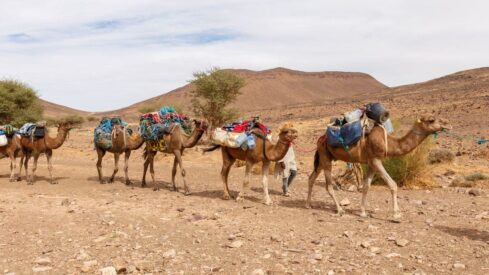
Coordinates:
[476,176]
[440,156]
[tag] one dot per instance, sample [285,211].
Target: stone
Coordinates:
[375,250]
[330,272]
[345,202]
[318,256]
[235,244]
[275,238]
[258,271]
[348,234]
[90,264]
[458,266]
[365,244]
[170,254]
[41,269]
[402,242]
[475,192]
[110,270]
[393,255]
[44,261]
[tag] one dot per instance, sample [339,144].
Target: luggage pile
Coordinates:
[34,130]
[6,131]
[102,135]
[153,126]
[349,128]
[238,134]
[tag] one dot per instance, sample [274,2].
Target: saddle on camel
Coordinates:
[167,131]
[253,145]
[364,138]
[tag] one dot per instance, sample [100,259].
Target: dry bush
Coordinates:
[460,181]
[440,156]
[476,176]
[410,169]
[257,169]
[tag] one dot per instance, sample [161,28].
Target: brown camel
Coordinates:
[35,147]
[264,152]
[175,143]
[121,143]
[371,150]
[12,150]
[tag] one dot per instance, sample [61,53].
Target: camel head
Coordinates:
[66,126]
[201,124]
[287,133]
[429,124]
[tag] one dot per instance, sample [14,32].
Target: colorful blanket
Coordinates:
[153,126]
[246,126]
[102,135]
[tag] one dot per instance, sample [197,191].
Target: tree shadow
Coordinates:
[471,233]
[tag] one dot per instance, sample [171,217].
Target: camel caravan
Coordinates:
[361,136]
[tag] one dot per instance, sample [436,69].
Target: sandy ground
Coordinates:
[79,226]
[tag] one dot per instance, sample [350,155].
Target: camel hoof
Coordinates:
[363,215]
[156,189]
[308,205]
[30,183]
[54,182]
[340,212]
[239,199]
[103,182]
[226,197]
[18,179]
[12,180]
[143,184]
[174,189]
[397,218]
[187,193]
[128,182]
[111,181]
[268,202]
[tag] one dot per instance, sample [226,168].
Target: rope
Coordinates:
[303,150]
[478,140]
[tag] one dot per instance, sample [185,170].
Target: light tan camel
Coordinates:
[175,143]
[35,147]
[12,150]
[264,152]
[371,150]
[122,142]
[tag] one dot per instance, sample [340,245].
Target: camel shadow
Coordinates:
[471,233]
[214,194]
[135,183]
[270,191]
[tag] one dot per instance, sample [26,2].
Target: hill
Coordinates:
[275,88]
[52,110]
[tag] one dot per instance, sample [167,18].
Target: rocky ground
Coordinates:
[79,226]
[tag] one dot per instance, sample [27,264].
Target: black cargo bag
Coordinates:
[377,112]
[39,132]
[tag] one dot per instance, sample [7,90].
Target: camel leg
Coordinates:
[246,182]
[21,164]
[329,187]
[392,186]
[34,168]
[365,186]
[126,166]
[266,199]
[27,156]
[178,156]
[49,155]
[116,167]
[152,168]
[145,168]
[100,156]
[312,179]
[12,167]
[227,162]
[174,173]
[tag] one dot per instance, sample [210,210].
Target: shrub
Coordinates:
[440,156]
[92,119]
[149,108]
[460,181]
[476,176]
[74,120]
[410,167]
[214,91]
[19,103]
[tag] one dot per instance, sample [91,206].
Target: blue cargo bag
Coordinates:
[347,135]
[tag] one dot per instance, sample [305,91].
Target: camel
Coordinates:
[371,150]
[121,143]
[36,147]
[12,150]
[175,143]
[264,152]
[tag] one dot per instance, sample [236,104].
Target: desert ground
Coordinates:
[80,226]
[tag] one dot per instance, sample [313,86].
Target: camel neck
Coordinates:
[407,143]
[191,141]
[278,151]
[55,143]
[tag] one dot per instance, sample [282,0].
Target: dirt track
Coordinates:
[82,226]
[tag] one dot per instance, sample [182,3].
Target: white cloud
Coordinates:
[102,55]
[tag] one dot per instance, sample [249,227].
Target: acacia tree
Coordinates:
[19,103]
[214,90]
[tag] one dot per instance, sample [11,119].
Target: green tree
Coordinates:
[214,90]
[18,103]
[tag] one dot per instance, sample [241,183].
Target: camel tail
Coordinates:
[210,149]
[316,161]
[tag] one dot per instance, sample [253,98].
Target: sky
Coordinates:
[99,55]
